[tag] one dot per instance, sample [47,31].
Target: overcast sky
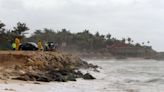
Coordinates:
[142,20]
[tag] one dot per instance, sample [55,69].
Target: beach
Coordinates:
[114,76]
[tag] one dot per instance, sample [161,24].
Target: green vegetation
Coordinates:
[81,41]
[8,36]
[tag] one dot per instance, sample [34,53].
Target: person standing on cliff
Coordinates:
[46,46]
[17,42]
[13,46]
[40,47]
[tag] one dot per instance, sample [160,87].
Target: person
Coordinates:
[13,46]
[17,42]
[46,46]
[40,47]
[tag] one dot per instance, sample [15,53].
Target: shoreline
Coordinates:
[109,56]
[115,59]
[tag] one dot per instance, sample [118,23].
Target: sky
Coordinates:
[142,20]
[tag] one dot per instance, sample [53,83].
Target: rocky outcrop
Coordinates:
[42,66]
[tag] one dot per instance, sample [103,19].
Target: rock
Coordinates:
[43,66]
[43,79]
[21,72]
[93,66]
[34,77]
[78,74]
[9,89]
[24,78]
[96,70]
[5,76]
[64,72]
[17,67]
[71,77]
[56,77]
[28,77]
[37,83]
[88,76]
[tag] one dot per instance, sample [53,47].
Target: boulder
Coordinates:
[88,76]
[43,78]
[78,74]
[55,75]
[71,77]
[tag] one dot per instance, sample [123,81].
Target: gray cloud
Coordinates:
[140,19]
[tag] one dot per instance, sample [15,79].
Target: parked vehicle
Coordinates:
[49,46]
[28,46]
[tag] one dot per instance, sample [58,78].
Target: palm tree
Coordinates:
[108,36]
[1,25]
[148,42]
[132,41]
[129,40]
[123,40]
